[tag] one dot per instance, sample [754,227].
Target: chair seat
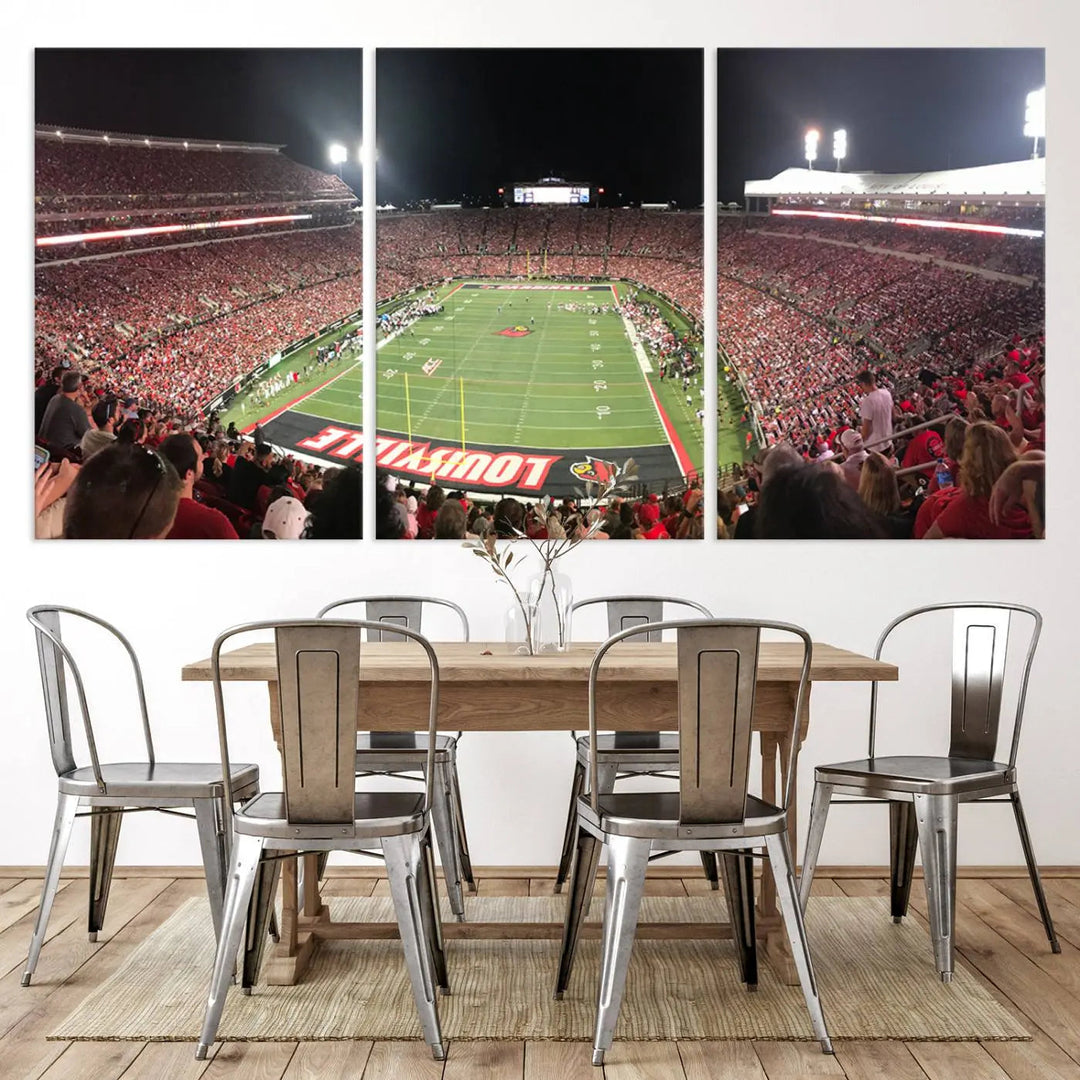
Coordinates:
[921,775]
[375,813]
[393,742]
[655,814]
[399,751]
[633,749]
[163,779]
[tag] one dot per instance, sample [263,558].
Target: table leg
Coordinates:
[289,909]
[286,961]
[313,905]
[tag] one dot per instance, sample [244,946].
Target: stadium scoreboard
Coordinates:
[558,194]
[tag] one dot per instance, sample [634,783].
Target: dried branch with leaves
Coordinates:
[550,549]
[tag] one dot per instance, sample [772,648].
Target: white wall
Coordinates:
[173,599]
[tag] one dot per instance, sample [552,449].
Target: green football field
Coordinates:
[339,399]
[504,367]
[520,372]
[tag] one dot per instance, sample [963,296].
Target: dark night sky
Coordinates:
[903,109]
[468,121]
[457,121]
[305,98]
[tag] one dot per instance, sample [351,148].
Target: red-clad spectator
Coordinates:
[428,511]
[923,448]
[987,454]
[193,520]
[652,528]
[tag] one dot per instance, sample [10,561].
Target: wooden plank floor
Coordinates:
[998,933]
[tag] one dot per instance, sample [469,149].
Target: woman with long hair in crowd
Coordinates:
[880,494]
[988,452]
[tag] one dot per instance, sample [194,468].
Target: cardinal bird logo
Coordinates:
[514,331]
[593,469]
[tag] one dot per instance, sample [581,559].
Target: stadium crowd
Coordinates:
[133,475]
[69,172]
[886,470]
[151,337]
[799,317]
[175,328]
[412,512]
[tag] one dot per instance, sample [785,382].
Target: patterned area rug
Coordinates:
[877,981]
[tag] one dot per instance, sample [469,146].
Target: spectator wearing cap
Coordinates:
[193,520]
[104,415]
[652,528]
[286,519]
[65,421]
[854,456]
[124,492]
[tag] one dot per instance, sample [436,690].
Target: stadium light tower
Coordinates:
[338,156]
[1035,119]
[810,144]
[839,146]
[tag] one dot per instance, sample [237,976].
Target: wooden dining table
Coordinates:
[486,687]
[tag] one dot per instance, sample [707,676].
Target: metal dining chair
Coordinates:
[923,792]
[711,811]
[404,754]
[318,671]
[106,791]
[627,753]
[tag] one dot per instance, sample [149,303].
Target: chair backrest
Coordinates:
[54,659]
[318,675]
[624,612]
[980,639]
[391,611]
[319,692]
[717,677]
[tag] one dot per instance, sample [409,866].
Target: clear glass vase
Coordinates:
[551,595]
[520,627]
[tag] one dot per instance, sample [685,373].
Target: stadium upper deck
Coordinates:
[82,170]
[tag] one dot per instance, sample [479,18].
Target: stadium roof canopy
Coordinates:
[1018,181]
[59,133]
